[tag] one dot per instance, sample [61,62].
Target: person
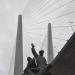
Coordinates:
[40,59]
[31,64]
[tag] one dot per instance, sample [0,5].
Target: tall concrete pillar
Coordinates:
[50,45]
[18,65]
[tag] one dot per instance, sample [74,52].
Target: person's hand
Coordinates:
[32,45]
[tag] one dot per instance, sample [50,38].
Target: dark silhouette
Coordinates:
[40,59]
[39,67]
[30,65]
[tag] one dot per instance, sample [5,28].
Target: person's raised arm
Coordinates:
[33,50]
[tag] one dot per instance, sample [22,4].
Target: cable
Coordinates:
[56,9]
[32,7]
[40,7]
[60,26]
[60,39]
[71,26]
[54,18]
[43,41]
[48,6]
[12,59]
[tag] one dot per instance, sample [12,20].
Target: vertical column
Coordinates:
[18,65]
[50,45]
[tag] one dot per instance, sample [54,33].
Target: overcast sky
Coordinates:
[9,10]
[36,15]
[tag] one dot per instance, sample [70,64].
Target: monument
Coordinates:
[18,64]
[63,64]
[40,67]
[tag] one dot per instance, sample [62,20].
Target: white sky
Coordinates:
[36,15]
[9,10]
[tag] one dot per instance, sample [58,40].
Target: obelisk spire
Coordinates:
[18,64]
[50,44]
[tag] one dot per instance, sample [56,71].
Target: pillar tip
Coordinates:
[20,15]
[49,23]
